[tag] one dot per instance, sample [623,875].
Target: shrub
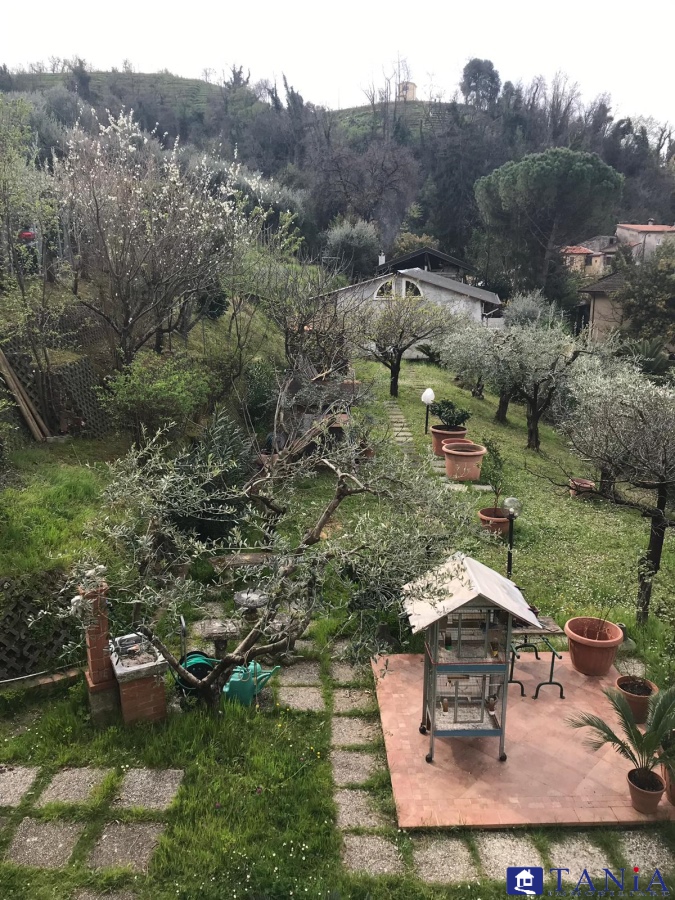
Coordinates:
[156,391]
[450,415]
[261,391]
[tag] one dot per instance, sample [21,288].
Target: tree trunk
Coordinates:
[394,372]
[503,407]
[651,562]
[607,484]
[533,415]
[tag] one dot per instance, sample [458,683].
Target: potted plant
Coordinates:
[637,692]
[668,768]
[494,518]
[593,643]
[452,418]
[463,460]
[643,749]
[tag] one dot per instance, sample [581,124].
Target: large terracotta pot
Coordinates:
[639,703]
[593,644]
[439,433]
[669,779]
[463,461]
[494,519]
[645,801]
[581,487]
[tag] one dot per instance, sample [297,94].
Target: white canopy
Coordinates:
[459,581]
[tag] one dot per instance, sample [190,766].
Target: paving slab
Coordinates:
[15,781]
[126,845]
[305,645]
[647,850]
[352,766]
[305,672]
[304,699]
[97,895]
[578,849]
[371,855]
[350,730]
[73,785]
[443,860]
[355,810]
[345,673]
[348,699]
[149,788]
[44,845]
[500,849]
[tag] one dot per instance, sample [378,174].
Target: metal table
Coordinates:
[528,632]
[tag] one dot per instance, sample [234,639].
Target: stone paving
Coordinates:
[72,786]
[126,845]
[371,854]
[347,700]
[443,860]
[355,810]
[352,766]
[352,731]
[149,788]
[303,699]
[345,673]
[303,672]
[96,895]
[44,845]
[15,781]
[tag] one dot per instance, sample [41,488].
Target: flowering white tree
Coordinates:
[625,425]
[155,237]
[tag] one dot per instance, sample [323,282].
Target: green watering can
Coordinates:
[246,683]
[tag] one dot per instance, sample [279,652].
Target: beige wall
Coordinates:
[606,315]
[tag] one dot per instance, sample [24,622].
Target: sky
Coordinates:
[331,53]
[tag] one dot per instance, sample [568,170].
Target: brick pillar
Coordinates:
[103,691]
[143,699]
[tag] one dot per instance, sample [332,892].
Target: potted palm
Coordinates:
[643,749]
[668,758]
[452,419]
[637,691]
[494,518]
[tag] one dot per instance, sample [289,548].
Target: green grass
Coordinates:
[571,557]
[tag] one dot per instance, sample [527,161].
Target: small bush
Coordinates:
[261,392]
[450,415]
[157,390]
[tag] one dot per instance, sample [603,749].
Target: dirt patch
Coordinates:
[371,854]
[443,860]
[500,849]
[346,700]
[126,845]
[350,730]
[355,810]
[302,672]
[149,788]
[46,845]
[14,782]
[304,699]
[352,767]
[72,785]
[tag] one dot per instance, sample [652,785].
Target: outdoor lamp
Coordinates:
[428,398]
[513,508]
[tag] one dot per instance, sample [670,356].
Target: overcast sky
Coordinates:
[330,52]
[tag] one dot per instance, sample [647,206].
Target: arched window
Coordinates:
[411,289]
[385,290]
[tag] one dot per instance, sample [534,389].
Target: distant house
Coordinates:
[594,257]
[429,260]
[644,238]
[598,309]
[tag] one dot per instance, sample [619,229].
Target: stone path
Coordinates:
[304,699]
[50,844]
[402,435]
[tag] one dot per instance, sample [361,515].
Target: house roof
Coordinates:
[450,284]
[576,250]
[606,285]
[417,258]
[456,583]
[647,228]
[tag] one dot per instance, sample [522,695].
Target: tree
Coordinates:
[648,295]
[353,246]
[543,201]
[154,237]
[390,325]
[162,512]
[480,83]
[624,424]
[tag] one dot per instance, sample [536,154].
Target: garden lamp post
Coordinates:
[513,508]
[428,398]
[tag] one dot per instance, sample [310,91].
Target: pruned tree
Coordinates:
[155,237]
[387,326]
[624,424]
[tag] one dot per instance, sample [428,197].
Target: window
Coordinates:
[588,260]
[411,289]
[385,290]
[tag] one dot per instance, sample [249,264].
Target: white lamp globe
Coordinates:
[428,397]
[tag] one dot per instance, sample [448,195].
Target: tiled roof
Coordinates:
[647,228]
[576,250]
[606,285]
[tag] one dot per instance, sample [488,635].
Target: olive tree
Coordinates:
[625,425]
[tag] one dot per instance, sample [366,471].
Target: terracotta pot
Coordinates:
[581,487]
[639,703]
[494,519]
[593,644]
[645,801]
[456,441]
[669,779]
[463,461]
[439,433]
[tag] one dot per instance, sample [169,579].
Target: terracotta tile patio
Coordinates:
[549,778]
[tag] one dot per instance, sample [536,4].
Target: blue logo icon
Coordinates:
[525,881]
